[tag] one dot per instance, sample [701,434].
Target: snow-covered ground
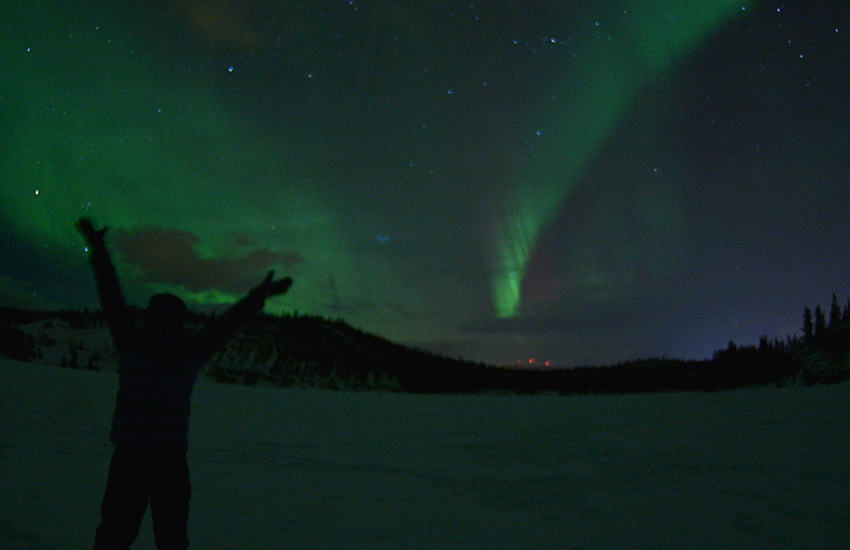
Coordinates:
[277,468]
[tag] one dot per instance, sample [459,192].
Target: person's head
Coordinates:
[165,311]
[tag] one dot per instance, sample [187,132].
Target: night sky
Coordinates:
[578,182]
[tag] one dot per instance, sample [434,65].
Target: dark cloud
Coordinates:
[170,256]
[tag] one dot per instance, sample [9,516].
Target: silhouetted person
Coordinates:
[159,362]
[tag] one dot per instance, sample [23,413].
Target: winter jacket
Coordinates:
[156,378]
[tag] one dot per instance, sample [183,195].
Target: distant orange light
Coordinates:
[548,363]
[531,361]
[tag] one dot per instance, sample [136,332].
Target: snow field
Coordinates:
[281,468]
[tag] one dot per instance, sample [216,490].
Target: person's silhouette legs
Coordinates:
[169,498]
[124,503]
[138,475]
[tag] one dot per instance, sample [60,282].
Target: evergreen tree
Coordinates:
[808,325]
[820,322]
[834,313]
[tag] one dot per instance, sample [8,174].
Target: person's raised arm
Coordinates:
[108,288]
[229,323]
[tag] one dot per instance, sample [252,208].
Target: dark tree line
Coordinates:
[820,356]
[303,350]
[816,325]
[26,345]
[16,344]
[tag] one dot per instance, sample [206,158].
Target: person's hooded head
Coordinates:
[166,313]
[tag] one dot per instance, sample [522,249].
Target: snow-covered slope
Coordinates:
[283,468]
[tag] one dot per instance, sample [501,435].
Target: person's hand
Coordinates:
[269,287]
[92,236]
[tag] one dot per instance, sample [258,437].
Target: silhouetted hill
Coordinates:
[315,352]
[17,316]
[310,351]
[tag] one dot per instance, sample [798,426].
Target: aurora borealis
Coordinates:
[599,85]
[579,182]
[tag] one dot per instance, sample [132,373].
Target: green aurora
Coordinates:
[493,180]
[598,87]
[97,129]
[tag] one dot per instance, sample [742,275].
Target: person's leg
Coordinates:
[124,502]
[170,493]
